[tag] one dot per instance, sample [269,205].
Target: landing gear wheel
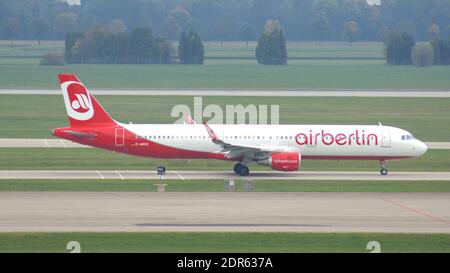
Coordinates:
[237,168]
[244,171]
[383,170]
[241,169]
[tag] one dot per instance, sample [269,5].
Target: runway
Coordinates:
[62,143]
[222,175]
[256,212]
[248,93]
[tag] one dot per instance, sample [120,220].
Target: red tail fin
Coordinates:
[82,108]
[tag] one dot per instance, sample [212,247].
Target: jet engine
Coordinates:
[282,161]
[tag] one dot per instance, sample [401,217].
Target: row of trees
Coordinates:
[104,45]
[227,20]
[101,45]
[401,49]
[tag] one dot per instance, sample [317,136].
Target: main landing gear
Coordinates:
[241,169]
[383,170]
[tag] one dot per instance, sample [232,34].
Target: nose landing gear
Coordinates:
[383,170]
[241,169]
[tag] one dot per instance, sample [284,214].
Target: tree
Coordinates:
[320,27]
[246,33]
[190,48]
[422,55]
[163,51]
[441,49]
[70,41]
[52,59]
[117,26]
[10,28]
[141,45]
[398,48]
[272,25]
[351,32]
[65,23]
[271,48]
[39,28]
[433,32]
[178,20]
[406,26]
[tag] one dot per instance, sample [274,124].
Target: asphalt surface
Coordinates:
[297,212]
[218,175]
[258,93]
[62,143]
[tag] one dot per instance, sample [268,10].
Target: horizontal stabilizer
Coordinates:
[79,134]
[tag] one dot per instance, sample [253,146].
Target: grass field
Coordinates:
[231,65]
[218,186]
[96,159]
[210,242]
[34,116]
[320,75]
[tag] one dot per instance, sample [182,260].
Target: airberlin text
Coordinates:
[313,138]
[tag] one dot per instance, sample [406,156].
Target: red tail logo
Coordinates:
[78,100]
[82,108]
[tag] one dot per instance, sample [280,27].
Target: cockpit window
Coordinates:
[408,137]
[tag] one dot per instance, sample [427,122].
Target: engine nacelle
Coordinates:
[286,162]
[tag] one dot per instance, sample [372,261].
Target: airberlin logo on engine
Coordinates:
[285,161]
[356,138]
[77,100]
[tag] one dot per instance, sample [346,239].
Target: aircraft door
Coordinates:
[120,137]
[385,138]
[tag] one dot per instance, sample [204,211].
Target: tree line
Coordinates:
[402,49]
[319,20]
[103,45]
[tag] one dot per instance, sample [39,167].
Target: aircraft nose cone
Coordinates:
[421,148]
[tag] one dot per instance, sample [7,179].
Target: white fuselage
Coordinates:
[311,141]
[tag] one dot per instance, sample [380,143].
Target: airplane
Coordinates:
[280,147]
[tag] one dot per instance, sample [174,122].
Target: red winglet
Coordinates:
[189,118]
[211,133]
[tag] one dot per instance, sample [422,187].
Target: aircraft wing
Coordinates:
[233,150]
